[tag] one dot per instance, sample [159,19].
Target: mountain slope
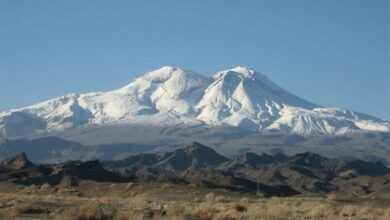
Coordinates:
[245,98]
[239,97]
[276,174]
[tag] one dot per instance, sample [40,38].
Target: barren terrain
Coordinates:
[93,200]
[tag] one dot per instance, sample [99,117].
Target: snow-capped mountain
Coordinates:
[239,97]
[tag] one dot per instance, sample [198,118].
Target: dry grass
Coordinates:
[175,203]
[385,215]
[176,209]
[139,207]
[210,197]
[238,207]
[88,212]
[27,209]
[202,212]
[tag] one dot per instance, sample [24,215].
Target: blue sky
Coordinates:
[333,52]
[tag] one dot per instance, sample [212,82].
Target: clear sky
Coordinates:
[330,52]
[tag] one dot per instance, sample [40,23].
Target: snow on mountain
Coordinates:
[239,97]
[245,98]
[166,94]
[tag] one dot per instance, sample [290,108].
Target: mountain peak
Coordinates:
[194,154]
[196,146]
[241,71]
[169,71]
[168,67]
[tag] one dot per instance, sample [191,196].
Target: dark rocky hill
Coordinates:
[300,173]
[19,169]
[198,164]
[19,161]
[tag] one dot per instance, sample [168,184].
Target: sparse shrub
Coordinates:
[297,203]
[385,215]
[348,211]
[228,215]
[368,213]
[210,197]
[244,200]
[148,213]
[275,208]
[197,199]
[333,197]
[166,186]
[220,199]
[88,212]
[156,209]
[45,186]
[256,209]
[176,209]
[213,206]
[238,207]
[127,216]
[27,209]
[138,202]
[321,211]
[202,212]
[130,185]
[206,212]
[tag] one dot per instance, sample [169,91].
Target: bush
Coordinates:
[321,211]
[202,212]
[333,197]
[220,199]
[210,197]
[238,207]
[88,212]
[27,209]
[176,209]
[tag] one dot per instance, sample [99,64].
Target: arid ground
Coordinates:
[93,200]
